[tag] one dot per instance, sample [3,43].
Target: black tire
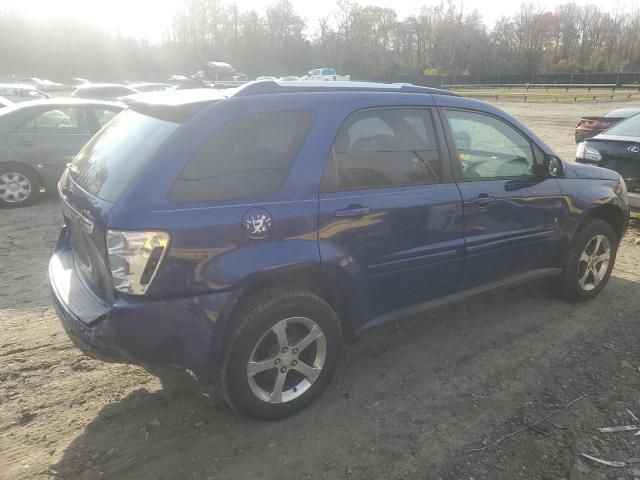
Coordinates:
[30,175]
[570,288]
[254,317]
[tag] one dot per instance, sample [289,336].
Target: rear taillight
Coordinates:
[134,258]
[584,152]
[590,125]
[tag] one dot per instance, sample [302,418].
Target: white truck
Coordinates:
[325,74]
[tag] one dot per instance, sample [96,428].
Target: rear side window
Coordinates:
[381,148]
[104,114]
[106,165]
[248,157]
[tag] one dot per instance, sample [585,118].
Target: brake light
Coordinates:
[134,258]
[590,124]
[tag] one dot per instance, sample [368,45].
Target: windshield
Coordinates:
[627,128]
[106,165]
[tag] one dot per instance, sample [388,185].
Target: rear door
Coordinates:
[510,212]
[51,137]
[388,202]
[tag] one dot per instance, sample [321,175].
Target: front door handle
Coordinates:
[482,200]
[353,211]
[26,143]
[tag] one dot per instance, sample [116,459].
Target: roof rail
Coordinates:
[265,87]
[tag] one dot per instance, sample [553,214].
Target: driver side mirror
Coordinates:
[551,167]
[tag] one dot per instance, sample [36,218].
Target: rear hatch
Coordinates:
[94,182]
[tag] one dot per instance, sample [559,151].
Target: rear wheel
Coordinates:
[590,261]
[282,350]
[19,186]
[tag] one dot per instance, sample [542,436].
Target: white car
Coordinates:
[326,74]
[5,102]
[17,92]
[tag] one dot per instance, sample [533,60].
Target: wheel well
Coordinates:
[612,215]
[25,166]
[322,284]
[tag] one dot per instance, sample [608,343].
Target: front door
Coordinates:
[51,138]
[389,207]
[510,211]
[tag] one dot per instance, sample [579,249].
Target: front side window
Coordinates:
[55,121]
[248,157]
[488,147]
[380,148]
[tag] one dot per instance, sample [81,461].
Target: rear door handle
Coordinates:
[26,143]
[353,211]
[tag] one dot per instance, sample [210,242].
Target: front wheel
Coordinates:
[590,261]
[282,350]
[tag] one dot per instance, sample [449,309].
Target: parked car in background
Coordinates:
[289,78]
[591,126]
[192,83]
[151,86]
[5,102]
[17,92]
[40,84]
[177,79]
[618,149]
[104,91]
[78,81]
[38,139]
[243,238]
[326,74]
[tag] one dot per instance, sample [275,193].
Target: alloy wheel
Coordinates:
[594,262]
[286,360]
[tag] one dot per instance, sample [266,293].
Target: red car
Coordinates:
[591,126]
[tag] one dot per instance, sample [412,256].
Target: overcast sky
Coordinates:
[149,18]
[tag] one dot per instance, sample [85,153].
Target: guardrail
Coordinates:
[526,95]
[546,86]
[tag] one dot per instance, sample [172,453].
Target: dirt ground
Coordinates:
[410,401]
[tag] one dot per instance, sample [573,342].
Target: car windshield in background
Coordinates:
[106,165]
[627,128]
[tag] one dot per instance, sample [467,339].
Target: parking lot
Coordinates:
[436,396]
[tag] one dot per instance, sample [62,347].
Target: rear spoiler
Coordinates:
[173,105]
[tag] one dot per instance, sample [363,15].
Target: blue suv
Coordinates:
[244,237]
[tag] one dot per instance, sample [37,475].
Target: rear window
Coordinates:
[247,158]
[627,128]
[106,165]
